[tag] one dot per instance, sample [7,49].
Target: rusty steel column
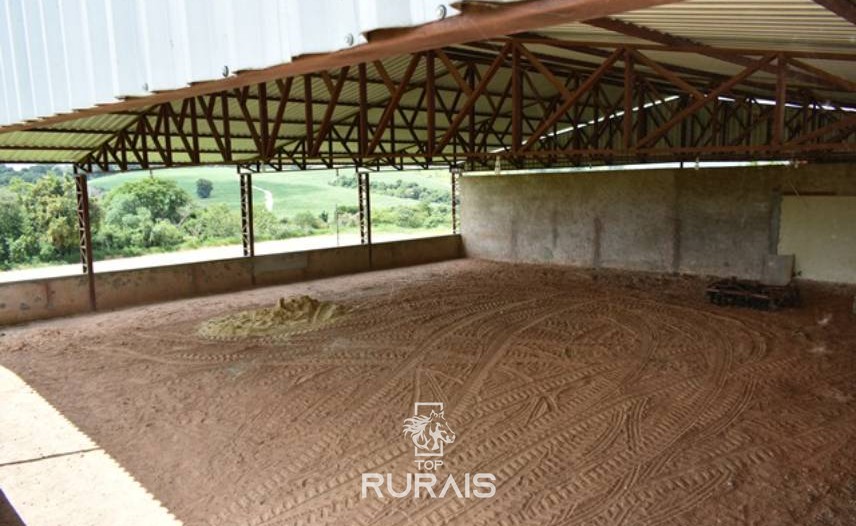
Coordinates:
[365,206]
[456,198]
[85,232]
[247,235]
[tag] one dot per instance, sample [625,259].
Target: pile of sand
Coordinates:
[286,317]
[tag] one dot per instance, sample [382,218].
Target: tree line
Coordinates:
[399,188]
[38,219]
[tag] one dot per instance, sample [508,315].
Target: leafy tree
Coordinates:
[29,174]
[266,225]
[204,187]
[162,198]
[212,222]
[11,225]
[409,190]
[422,215]
[165,234]
[345,181]
[348,209]
[142,214]
[307,221]
[48,219]
[409,217]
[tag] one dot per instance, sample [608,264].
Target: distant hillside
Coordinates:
[287,193]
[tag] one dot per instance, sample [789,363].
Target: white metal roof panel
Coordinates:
[57,56]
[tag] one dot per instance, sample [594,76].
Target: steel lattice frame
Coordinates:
[245,176]
[629,107]
[365,207]
[85,233]
[455,172]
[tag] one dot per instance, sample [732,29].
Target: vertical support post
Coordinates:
[85,232]
[247,235]
[456,198]
[781,99]
[365,208]
[683,102]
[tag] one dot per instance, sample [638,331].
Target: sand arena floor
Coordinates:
[595,398]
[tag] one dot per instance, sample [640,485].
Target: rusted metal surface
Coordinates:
[84,230]
[247,233]
[365,209]
[456,199]
[752,294]
[527,100]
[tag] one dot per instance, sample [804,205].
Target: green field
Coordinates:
[293,192]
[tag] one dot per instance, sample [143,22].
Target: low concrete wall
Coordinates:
[821,232]
[719,221]
[54,297]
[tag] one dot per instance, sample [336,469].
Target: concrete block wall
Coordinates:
[716,221]
[63,296]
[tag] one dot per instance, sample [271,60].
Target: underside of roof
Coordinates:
[674,80]
[61,55]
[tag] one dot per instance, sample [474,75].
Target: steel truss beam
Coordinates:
[522,99]
[846,9]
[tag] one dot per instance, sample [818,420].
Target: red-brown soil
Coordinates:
[595,398]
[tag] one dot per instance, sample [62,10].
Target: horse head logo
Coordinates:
[429,432]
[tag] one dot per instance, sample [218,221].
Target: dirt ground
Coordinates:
[594,397]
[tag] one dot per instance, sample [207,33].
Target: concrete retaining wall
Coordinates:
[719,221]
[821,230]
[53,297]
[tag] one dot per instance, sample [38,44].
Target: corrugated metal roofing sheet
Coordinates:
[735,23]
[60,55]
[767,24]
